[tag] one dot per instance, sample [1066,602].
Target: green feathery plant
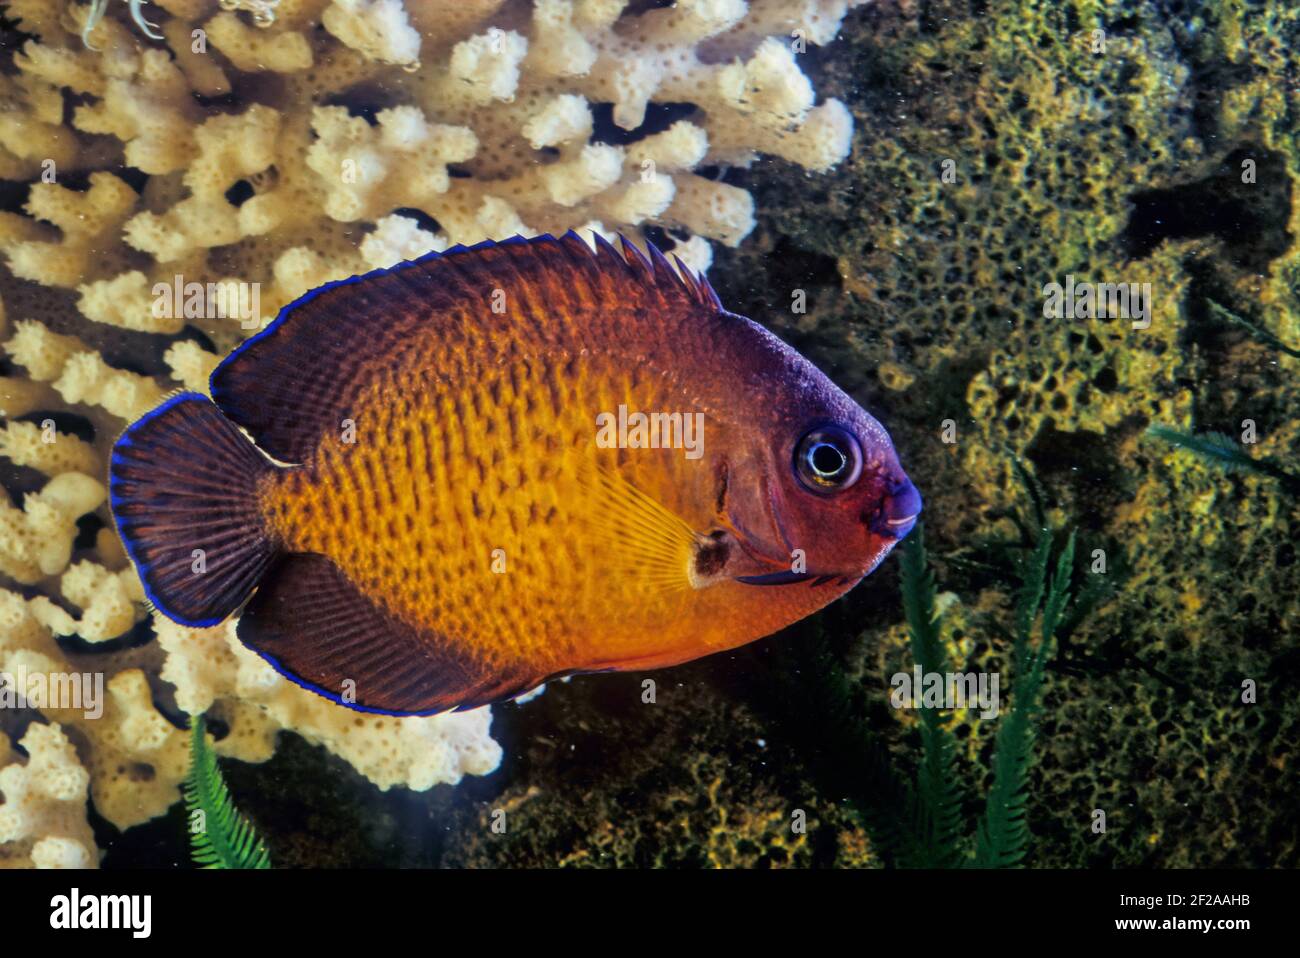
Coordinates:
[1002,837]
[220,837]
[1259,332]
[937,801]
[1220,450]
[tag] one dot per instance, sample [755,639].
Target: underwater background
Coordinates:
[996,148]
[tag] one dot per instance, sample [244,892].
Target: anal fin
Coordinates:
[320,631]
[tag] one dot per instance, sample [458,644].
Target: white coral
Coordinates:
[43,804]
[214,672]
[377,28]
[282,153]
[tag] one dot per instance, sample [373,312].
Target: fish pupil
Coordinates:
[827,460]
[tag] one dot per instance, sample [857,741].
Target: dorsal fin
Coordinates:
[299,376]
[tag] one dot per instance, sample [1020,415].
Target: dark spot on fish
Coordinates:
[711,556]
[722,475]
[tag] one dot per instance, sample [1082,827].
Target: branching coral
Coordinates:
[214,673]
[492,134]
[270,148]
[43,804]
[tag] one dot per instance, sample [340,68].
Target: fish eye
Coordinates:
[828,459]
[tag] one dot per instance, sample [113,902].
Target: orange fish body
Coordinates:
[499,465]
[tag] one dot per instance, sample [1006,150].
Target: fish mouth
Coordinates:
[905,521]
[899,511]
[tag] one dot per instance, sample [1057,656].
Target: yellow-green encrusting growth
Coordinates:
[1123,165]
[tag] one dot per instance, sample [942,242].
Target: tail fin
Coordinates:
[183,487]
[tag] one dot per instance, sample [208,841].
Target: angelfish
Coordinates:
[397,485]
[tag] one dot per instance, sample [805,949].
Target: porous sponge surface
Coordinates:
[1123,162]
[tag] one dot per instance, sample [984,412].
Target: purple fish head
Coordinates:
[834,495]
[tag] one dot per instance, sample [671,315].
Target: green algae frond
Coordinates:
[220,837]
[1220,450]
[1002,837]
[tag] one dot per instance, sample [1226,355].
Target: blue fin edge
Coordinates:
[124,441]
